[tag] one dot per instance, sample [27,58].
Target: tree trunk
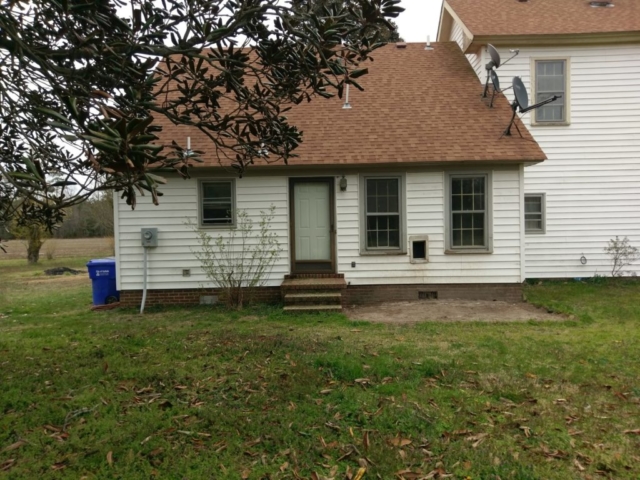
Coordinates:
[34,244]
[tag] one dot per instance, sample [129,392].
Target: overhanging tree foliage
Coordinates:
[81,82]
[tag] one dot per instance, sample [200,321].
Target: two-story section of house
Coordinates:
[588,191]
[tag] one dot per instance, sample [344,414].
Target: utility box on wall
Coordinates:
[149,237]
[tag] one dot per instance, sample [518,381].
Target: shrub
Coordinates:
[242,260]
[622,254]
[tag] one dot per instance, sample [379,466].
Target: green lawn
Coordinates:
[202,393]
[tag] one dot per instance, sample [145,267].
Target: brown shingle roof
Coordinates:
[546,17]
[418,106]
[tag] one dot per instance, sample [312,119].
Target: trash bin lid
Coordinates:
[101,261]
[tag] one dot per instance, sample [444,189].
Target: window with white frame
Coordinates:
[217,203]
[383,214]
[468,216]
[551,79]
[534,213]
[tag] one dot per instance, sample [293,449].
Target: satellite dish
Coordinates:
[495,63]
[521,103]
[495,56]
[520,92]
[495,80]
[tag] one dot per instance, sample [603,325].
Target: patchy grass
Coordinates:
[204,393]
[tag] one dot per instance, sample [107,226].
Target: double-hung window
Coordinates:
[534,207]
[383,214]
[468,216]
[551,79]
[217,203]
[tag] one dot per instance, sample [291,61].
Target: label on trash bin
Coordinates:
[102,273]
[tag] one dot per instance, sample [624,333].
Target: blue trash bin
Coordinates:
[102,272]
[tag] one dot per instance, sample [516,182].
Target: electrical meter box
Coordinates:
[149,237]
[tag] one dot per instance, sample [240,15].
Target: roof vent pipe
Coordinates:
[604,3]
[428,47]
[346,105]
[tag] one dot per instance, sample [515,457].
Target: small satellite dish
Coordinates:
[521,103]
[491,67]
[495,81]
[520,92]
[495,56]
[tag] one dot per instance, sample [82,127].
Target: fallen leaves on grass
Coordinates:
[397,441]
[365,440]
[7,464]
[633,432]
[477,439]
[110,458]
[14,446]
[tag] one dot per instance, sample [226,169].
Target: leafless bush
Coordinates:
[241,261]
[622,254]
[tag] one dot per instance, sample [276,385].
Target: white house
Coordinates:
[588,191]
[411,193]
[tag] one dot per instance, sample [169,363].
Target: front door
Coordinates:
[312,225]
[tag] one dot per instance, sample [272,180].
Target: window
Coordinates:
[383,223]
[217,203]
[534,207]
[551,79]
[468,221]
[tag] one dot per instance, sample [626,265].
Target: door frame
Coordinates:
[331,265]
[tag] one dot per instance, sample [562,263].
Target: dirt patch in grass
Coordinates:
[452,311]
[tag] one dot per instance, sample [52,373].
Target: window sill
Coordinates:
[550,124]
[217,227]
[371,253]
[541,232]
[468,251]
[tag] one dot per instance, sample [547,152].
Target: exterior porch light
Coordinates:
[343,184]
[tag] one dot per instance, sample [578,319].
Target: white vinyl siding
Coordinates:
[458,36]
[425,202]
[179,205]
[592,176]
[425,216]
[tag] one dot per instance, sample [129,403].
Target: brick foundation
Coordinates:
[132,298]
[352,295]
[376,294]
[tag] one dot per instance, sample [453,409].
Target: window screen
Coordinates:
[534,213]
[551,80]
[468,211]
[382,207]
[217,202]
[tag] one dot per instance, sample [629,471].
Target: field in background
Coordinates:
[61,248]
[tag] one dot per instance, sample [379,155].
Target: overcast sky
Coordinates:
[419,19]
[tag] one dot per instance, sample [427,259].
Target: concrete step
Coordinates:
[306,284]
[312,308]
[313,298]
